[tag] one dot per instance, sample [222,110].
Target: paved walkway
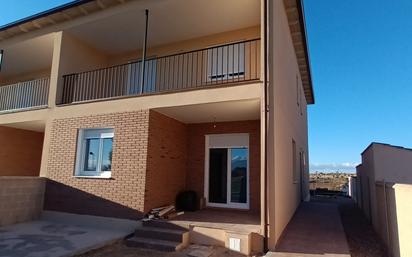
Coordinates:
[315,230]
[58,234]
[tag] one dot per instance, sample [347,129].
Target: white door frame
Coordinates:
[227,141]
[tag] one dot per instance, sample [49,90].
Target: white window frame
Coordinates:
[134,77]
[81,147]
[227,141]
[231,63]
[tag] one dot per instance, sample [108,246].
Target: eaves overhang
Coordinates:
[60,14]
[297,26]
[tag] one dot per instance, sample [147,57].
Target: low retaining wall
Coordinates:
[394,212]
[21,199]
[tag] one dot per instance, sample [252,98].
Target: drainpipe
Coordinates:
[144,52]
[266,106]
[1,57]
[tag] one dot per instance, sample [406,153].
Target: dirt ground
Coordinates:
[362,239]
[121,250]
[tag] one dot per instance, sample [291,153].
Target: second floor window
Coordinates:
[226,62]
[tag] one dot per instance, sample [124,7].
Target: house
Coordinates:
[136,101]
[384,187]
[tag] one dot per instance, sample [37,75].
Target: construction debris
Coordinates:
[165,212]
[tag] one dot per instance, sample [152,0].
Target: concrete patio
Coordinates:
[61,234]
[315,230]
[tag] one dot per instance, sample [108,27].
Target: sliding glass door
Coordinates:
[227,171]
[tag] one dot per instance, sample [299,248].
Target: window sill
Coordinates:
[93,177]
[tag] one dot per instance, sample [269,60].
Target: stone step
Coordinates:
[164,224]
[154,244]
[161,233]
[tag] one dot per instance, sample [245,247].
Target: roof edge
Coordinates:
[302,22]
[39,15]
[384,144]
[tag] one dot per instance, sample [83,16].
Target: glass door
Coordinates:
[227,176]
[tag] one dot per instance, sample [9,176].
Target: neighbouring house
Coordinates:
[383,191]
[133,107]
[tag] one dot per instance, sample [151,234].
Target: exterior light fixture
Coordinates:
[1,57]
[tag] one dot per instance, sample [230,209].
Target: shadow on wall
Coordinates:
[64,198]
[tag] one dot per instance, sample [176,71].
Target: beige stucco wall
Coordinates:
[287,121]
[394,211]
[25,77]
[381,162]
[386,203]
[21,199]
[189,45]
[403,193]
[392,164]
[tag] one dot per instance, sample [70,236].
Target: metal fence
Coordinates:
[213,66]
[24,95]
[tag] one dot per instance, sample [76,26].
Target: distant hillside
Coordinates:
[332,181]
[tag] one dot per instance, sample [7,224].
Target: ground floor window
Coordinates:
[94,153]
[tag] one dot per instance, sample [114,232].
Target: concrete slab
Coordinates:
[60,234]
[315,230]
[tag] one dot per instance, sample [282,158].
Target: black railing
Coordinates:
[213,66]
[24,95]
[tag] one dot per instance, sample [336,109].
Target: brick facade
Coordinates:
[154,158]
[20,152]
[166,161]
[21,199]
[120,196]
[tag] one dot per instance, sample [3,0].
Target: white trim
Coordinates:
[227,141]
[93,133]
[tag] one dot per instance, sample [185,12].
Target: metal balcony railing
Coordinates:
[24,95]
[213,66]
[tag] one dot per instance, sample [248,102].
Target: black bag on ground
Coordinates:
[186,201]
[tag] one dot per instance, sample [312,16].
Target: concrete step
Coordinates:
[173,235]
[154,244]
[164,224]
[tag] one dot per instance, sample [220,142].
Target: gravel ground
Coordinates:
[121,250]
[362,239]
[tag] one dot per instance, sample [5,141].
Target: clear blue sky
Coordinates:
[361,56]
[12,10]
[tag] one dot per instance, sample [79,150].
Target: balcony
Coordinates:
[218,66]
[25,95]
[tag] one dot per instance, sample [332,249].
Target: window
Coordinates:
[94,153]
[226,62]
[294,163]
[134,76]
[297,91]
[1,57]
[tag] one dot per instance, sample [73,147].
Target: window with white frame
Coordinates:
[94,153]
[226,62]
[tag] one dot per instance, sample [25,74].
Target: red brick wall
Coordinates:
[123,194]
[20,152]
[154,158]
[196,158]
[166,160]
